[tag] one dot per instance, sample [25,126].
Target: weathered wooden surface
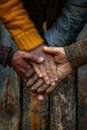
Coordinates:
[9,93]
[82,92]
[55,113]
[20,111]
[82,98]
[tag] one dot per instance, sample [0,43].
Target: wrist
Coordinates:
[61,55]
[4,55]
[41,46]
[10,57]
[76,55]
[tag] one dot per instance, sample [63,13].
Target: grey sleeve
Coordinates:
[69,24]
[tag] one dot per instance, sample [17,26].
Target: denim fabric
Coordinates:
[69,24]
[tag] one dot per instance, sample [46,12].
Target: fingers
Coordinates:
[41,71]
[44,73]
[38,84]
[44,70]
[49,72]
[42,88]
[50,89]
[54,70]
[32,81]
[51,50]
[38,96]
[34,58]
[36,67]
[30,73]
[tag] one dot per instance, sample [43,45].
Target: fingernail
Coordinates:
[41,59]
[56,79]
[40,97]
[40,75]
[53,84]
[48,82]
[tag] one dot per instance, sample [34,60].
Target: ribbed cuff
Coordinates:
[28,40]
[76,54]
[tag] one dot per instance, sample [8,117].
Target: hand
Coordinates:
[20,63]
[58,53]
[63,65]
[38,87]
[47,69]
[34,82]
[63,69]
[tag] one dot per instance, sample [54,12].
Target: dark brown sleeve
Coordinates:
[6,54]
[77,53]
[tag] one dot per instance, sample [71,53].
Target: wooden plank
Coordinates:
[9,92]
[82,98]
[35,112]
[62,106]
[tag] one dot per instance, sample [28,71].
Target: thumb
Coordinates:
[51,50]
[31,57]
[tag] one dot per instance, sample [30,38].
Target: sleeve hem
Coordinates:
[28,40]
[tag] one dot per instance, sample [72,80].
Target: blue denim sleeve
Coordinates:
[69,24]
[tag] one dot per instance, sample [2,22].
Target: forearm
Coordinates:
[77,53]
[69,24]
[6,54]
[22,29]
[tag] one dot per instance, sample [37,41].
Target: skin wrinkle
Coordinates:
[32,81]
[37,85]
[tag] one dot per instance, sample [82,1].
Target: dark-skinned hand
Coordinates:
[63,70]
[21,63]
[46,69]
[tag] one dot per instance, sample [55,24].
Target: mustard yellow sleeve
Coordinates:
[22,29]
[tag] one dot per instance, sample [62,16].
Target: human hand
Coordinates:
[63,69]
[20,63]
[38,87]
[58,53]
[47,69]
[34,82]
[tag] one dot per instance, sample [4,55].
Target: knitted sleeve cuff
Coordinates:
[77,54]
[28,40]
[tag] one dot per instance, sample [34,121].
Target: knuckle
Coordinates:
[48,72]
[44,74]
[30,73]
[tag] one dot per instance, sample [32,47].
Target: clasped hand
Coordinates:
[50,64]
[63,69]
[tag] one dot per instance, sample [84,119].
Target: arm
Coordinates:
[26,36]
[19,60]
[69,24]
[68,59]
[19,25]
[77,53]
